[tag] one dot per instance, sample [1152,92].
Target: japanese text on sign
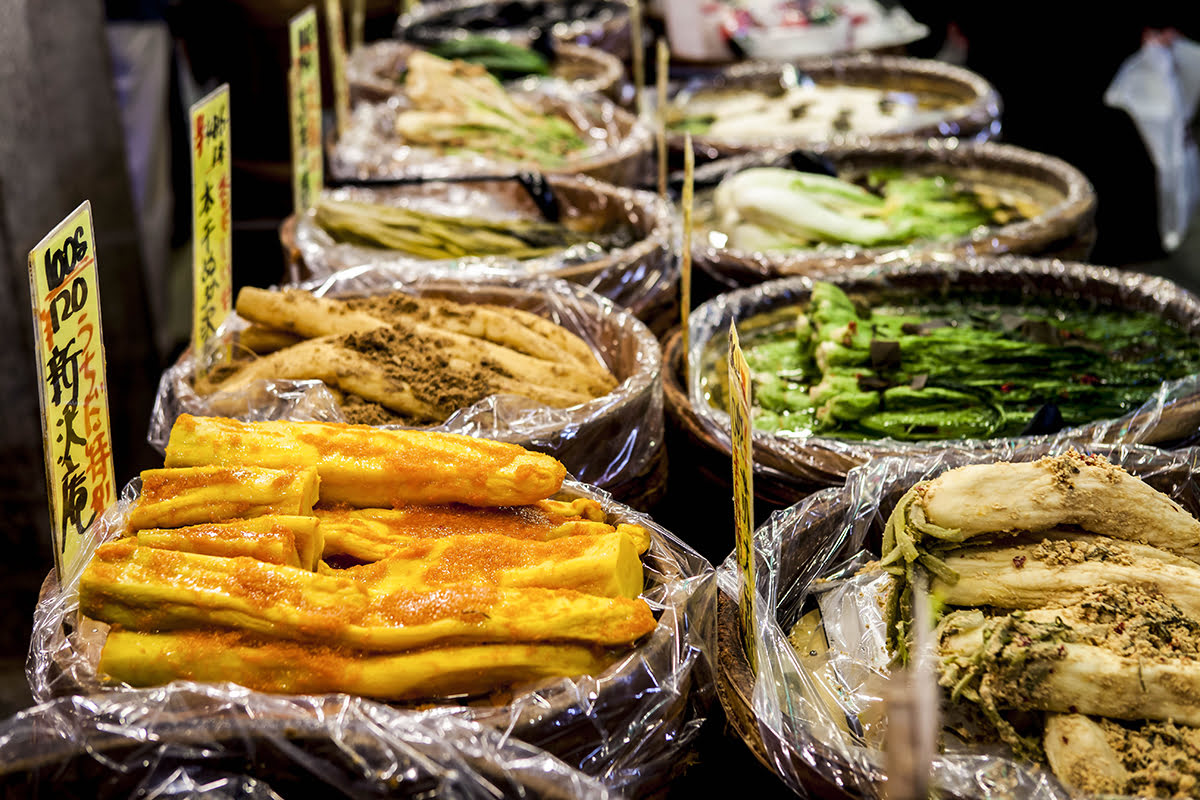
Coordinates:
[64,290]
[304,108]
[743,487]
[212,221]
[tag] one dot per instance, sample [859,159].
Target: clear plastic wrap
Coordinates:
[1065,227]
[626,727]
[967,106]
[611,441]
[808,557]
[196,740]
[1171,413]
[618,146]
[637,269]
[374,69]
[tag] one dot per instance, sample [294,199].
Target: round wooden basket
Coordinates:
[1064,229]
[372,70]
[787,470]
[972,110]
[596,445]
[820,539]
[620,697]
[657,305]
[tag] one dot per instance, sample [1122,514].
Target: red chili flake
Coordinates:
[1018,561]
[1090,380]
[1007,387]
[1120,627]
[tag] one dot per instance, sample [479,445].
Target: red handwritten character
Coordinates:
[199,135]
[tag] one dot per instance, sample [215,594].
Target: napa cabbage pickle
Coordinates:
[971,369]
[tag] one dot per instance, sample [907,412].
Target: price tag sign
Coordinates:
[304,108]
[743,487]
[337,60]
[212,224]
[73,389]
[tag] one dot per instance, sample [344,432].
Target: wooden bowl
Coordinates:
[225,739]
[788,469]
[639,277]
[613,442]
[1064,229]
[815,537]
[658,694]
[971,105]
[373,69]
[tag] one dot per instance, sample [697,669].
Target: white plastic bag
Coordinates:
[1159,87]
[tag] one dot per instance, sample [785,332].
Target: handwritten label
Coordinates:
[304,108]
[743,487]
[685,254]
[212,225]
[65,291]
[337,61]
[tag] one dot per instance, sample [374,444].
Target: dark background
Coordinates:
[61,143]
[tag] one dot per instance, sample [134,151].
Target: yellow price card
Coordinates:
[743,488]
[65,290]
[304,109]
[337,62]
[212,225]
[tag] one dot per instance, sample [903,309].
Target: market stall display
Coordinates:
[466,613]
[375,71]
[455,118]
[446,356]
[764,216]
[1049,563]
[756,107]
[1009,295]
[617,242]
